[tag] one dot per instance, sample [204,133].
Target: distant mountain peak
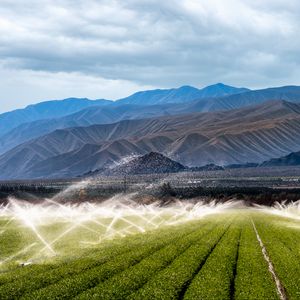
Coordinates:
[183,94]
[187,87]
[218,84]
[228,89]
[46,110]
[223,85]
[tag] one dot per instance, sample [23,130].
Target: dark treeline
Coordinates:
[250,195]
[26,192]
[164,192]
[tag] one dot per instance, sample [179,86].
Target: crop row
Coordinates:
[213,258]
[286,230]
[253,279]
[284,254]
[95,257]
[106,263]
[75,285]
[27,284]
[169,283]
[122,285]
[216,278]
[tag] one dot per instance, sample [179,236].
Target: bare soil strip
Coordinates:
[279,286]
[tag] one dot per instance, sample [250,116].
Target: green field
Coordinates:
[217,256]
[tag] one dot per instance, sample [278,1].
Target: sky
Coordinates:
[54,49]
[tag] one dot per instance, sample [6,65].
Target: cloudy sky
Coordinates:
[53,49]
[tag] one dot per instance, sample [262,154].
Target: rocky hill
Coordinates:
[150,163]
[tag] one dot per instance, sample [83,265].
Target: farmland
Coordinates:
[123,251]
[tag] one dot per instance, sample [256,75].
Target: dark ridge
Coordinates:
[292,159]
[241,166]
[209,167]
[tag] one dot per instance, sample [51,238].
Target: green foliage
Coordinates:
[168,283]
[121,285]
[218,257]
[216,278]
[282,244]
[104,262]
[253,279]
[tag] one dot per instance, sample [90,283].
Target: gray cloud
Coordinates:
[137,43]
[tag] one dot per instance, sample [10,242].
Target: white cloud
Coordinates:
[28,87]
[133,44]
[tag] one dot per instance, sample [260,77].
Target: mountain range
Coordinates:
[251,134]
[45,110]
[183,94]
[82,112]
[218,125]
[22,125]
[59,108]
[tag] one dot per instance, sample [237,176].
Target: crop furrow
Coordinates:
[279,286]
[72,286]
[214,279]
[187,284]
[168,283]
[285,261]
[28,284]
[91,257]
[121,285]
[232,282]
[253,280]
[94,258]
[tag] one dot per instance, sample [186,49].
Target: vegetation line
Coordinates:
[279,286]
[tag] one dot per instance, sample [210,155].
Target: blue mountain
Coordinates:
[45,110]
[181,95]
[60,108]
[51,115]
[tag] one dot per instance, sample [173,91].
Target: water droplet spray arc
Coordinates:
[92,223]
